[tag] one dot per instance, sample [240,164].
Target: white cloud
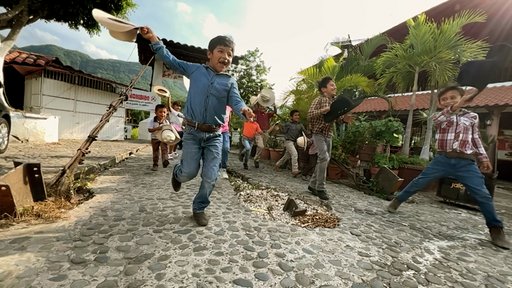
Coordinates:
[42,37]
[212,27]
[96,52]
[183,7]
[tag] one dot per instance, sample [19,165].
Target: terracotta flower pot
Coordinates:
[334,172]
[265,154]
[276,154]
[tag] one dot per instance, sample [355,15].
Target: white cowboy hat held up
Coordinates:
[118,28]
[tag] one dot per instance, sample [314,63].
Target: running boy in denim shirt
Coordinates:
[459,151]
[210,91]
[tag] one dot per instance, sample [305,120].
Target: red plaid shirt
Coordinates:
[459,132]
[316,118]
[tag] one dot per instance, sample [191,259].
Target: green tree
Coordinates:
[352,68]
[75,13]
[434,50]
[251,74]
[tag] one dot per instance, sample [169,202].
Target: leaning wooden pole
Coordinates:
[60,185]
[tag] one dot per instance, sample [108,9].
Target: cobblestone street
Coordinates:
[137,232]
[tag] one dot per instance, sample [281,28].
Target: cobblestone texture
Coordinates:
[137,232]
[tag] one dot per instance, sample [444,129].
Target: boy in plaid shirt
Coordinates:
[460,154]
[322,135]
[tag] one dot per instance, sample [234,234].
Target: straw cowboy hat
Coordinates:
[265,98]
[118,28]
[302,141]
[168,135]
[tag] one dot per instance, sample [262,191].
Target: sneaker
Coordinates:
[312,190]
[165,163]
[322,194]
[256,164]
[246,167]
[498,238]
[224,174]
[176,185]
[200,218]
[393,206]
[154,168]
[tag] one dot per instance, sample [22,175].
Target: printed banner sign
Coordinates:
[142,100]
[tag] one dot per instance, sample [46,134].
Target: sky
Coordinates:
[290,34]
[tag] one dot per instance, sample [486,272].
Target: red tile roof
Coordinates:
[29,58]
[29,62]
[491,96]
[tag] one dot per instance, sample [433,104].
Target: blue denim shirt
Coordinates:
[209,91]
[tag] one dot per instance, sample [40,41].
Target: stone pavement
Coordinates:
[53,156]
[137,232]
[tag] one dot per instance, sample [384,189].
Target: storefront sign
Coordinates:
[142,100]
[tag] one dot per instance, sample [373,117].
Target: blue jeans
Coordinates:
[199,146]
[247,149]
[466,172]
[225,150]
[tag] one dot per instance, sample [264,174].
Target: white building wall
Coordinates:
[79,109]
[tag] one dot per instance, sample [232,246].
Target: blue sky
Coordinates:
[291,34]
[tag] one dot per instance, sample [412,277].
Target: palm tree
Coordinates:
[434,50]
[349,69]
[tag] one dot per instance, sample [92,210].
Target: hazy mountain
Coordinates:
[115,70]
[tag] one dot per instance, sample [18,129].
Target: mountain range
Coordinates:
[111,69]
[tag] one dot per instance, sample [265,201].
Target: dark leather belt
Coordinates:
[456,154]
[208,128]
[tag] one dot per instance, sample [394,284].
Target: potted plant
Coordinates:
[265,152]
[335,166]
[276,148]
[386,132]
[410,168]
[354,137]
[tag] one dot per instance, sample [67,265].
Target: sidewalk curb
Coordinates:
[97,168]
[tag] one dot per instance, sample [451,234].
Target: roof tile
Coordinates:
[491,96]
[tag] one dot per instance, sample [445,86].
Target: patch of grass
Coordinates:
[47,211]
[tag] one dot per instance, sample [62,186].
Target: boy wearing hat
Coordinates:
[460,154]
[211,89]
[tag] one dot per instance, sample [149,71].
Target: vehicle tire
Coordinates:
[4,135]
